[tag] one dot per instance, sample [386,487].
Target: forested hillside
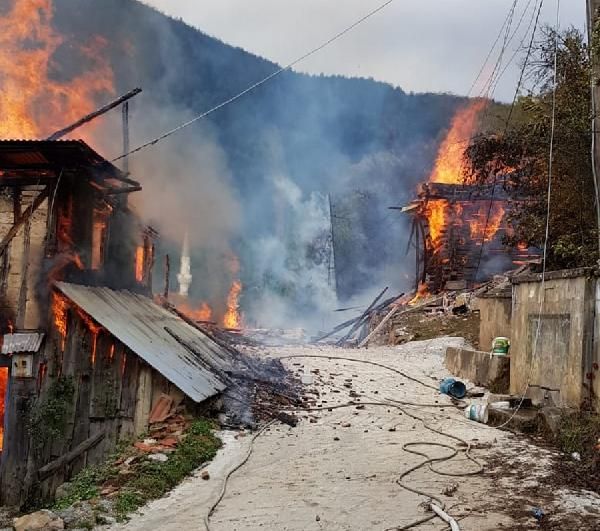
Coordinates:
[364,142]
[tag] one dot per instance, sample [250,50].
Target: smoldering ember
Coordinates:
[307,291]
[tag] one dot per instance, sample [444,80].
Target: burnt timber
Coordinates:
[457,255]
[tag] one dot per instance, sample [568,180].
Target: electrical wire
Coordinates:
[512,106]
[547,228]
[257,84]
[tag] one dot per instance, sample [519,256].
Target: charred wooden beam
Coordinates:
[362,318]
[23,218]
[95,114]
[64,460]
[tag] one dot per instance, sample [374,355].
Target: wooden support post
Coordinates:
[24,217]
[23,288]
[391,314]
[167,275]
[64,460]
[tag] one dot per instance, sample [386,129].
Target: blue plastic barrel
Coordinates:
[454,388]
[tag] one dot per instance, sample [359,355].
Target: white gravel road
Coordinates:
[337,469]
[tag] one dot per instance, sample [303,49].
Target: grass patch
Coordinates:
[580,433]
[147,479]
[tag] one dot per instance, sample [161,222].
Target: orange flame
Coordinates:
[232,318]
[60,306]
[33,104]
[98,236]
[3,389]
[94,329]
[422,292]
[449,162]
[482,232]
[202,313]
[139,263]
[437,218]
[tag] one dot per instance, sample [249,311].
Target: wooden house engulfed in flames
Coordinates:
[85,353]
[458,232]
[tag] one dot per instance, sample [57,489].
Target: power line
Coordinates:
[258,83]
[542,291]
[516,94]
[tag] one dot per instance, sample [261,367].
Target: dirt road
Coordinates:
[338,469]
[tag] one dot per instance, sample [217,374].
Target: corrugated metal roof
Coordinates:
[21,342]
[181,353]
[54,155]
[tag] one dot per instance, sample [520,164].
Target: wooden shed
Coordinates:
[86,353]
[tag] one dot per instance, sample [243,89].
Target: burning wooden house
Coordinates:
[86,356]
[458,231]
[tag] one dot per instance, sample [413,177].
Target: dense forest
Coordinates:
[255,178]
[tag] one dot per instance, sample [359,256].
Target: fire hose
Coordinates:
[437,509]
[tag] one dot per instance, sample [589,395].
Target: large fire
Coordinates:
[486,223]
[60,307]
[202,313]
[3,388]
[448,170]
[449,161]
[232,318]
[33,104]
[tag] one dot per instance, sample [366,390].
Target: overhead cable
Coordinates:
[257,84]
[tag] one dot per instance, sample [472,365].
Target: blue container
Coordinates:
[454,388]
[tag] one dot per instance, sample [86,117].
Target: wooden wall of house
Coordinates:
[109,397]
[21,264]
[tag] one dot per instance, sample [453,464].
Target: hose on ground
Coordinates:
[231,472]
[407,447]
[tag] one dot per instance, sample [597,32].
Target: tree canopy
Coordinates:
[519,155]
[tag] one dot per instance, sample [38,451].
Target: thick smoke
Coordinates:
[255,178]
[293,267]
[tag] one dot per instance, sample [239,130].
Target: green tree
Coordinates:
[519,155]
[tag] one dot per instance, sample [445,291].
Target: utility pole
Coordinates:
[593,14]
[125,117]
[332,274]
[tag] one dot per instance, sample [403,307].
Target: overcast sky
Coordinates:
[419,45]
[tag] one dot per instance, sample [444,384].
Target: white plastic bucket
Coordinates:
[477,412]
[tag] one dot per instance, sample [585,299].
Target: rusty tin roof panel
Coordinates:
[21,342]
[181,353]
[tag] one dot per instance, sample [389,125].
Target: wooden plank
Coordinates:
[13,466]
[24,217]
[22,304]
[129,370]
[67,458]
[365,314]
[143,400]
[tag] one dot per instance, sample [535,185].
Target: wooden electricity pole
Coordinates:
[593,15]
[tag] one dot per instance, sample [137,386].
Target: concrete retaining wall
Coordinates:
[554,354]
[496,313]
[476,366]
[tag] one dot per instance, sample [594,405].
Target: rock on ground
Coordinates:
[43,520]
